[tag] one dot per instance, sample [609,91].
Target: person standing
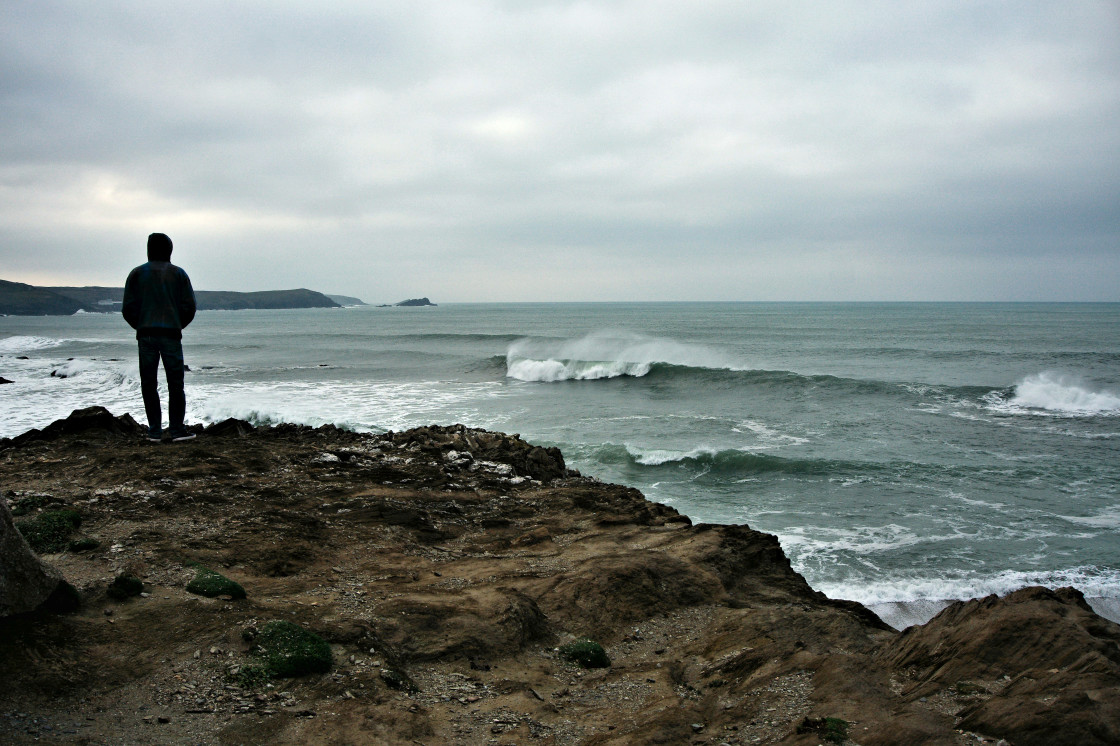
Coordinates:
[159,303]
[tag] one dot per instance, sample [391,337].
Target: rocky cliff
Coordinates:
[455,576]
[26,300]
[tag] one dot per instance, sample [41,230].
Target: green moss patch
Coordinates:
[585,653]
[285,649]
[84,544]
[125,586]
[50,532]
[213,584]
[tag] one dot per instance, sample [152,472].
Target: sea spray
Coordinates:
[1060,393]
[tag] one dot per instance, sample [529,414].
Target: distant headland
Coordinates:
[18,299]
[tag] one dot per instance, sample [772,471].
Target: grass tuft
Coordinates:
[50,532]
[585,653]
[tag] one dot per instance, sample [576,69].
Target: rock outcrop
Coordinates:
[448,568]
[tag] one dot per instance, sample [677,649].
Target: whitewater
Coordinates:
[905,455]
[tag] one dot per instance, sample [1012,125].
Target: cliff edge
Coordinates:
[457,577]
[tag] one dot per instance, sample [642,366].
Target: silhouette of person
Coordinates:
[158,304]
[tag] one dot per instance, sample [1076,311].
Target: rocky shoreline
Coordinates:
[447,569]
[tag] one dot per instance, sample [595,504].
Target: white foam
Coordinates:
[27,344]
[1106,518]
[548,371]
[900,614]
[768,436]
[919,595]
[82,382]
[804,545]
[359,406]
[1058,394]
[605,354]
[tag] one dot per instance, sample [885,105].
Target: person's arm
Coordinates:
[130,304]
[186,302]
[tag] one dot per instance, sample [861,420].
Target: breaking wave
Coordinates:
[1055,394]
[27,344]
[728,462]
[606,355]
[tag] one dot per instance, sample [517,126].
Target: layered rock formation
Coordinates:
[447,567]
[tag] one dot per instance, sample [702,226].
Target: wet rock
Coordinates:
[91,421]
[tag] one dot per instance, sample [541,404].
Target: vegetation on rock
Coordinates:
[286,649]
[213,584]
[50,532]
[585,653]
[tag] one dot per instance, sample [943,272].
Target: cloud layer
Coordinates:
[493,151]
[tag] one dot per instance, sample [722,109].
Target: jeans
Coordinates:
[171,351]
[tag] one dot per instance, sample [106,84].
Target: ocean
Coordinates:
[906,455]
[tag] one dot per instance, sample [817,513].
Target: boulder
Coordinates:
[26,582]
[91,421]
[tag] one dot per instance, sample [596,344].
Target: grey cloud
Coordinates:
[397,141]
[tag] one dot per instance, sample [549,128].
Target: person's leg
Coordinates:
[149,388]
[176,396]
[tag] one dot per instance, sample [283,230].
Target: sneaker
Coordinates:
[154,439]
[182,437]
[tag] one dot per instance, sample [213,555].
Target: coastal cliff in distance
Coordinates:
[18,299]
[465,587]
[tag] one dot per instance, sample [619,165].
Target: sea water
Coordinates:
[904,454]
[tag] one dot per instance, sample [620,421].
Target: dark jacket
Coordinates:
[158,300]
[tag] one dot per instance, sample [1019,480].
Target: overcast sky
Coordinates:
[535,150]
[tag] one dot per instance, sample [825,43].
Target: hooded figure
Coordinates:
[158,304]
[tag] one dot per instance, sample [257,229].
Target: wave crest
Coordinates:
[605,355]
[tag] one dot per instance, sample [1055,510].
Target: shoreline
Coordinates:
[447,568]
